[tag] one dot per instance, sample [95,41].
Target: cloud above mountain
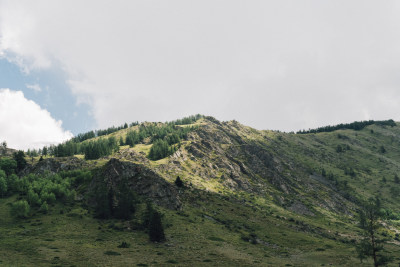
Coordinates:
[270,64]
[24,124]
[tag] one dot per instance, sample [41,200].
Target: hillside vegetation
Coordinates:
[200,192]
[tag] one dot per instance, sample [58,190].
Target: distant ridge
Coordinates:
[357,125]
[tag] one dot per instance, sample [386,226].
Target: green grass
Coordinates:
[195,236]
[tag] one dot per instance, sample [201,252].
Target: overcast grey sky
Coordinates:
[284,65]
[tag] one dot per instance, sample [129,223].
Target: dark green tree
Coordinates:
[156,229]
[371,245]
[100,148]
[179,182]
[44,207]
[104,202]
[126,203]
[396,179]
[44,151]
[19,157]
[8,165]
[3,186]
[12,181]
[160,149]
[382,149]
[132,138]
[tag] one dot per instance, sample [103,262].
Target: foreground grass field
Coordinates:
[221,233]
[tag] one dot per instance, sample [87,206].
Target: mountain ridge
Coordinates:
[250,197]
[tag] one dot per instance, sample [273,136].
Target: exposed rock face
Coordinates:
[132,155]
[247,164]
[300,208]
[54,165]
[140,179]
[244,159]
[7,151]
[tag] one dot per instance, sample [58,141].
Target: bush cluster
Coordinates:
[39,192]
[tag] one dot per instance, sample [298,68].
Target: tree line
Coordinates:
[165,137]
[92,134]
[357,125]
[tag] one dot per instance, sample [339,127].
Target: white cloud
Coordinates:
[270,64]
[35,87]
[23,124]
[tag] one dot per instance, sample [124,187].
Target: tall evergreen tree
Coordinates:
[126,203]
[371,245]
[104,202]
[178,182]
[155,227]
[20,159]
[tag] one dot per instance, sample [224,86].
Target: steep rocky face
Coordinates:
[247,164]
[244,159]
[140,179]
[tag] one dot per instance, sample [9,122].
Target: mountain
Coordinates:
[247,198]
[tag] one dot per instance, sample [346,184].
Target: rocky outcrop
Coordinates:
[7,152]
[140,179]
[55,165]
[244,159]
[132,155]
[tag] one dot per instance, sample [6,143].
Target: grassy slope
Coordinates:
[196,236]
[211,228]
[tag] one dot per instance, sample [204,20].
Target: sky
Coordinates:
[281,65]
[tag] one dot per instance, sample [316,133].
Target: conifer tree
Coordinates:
[126,203]
[20,159]
[155,227]
[178,182]
[371,245]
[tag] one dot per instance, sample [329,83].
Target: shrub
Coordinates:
[20,209]
[44,207]
[8,165]
[33,198]
[124,245]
